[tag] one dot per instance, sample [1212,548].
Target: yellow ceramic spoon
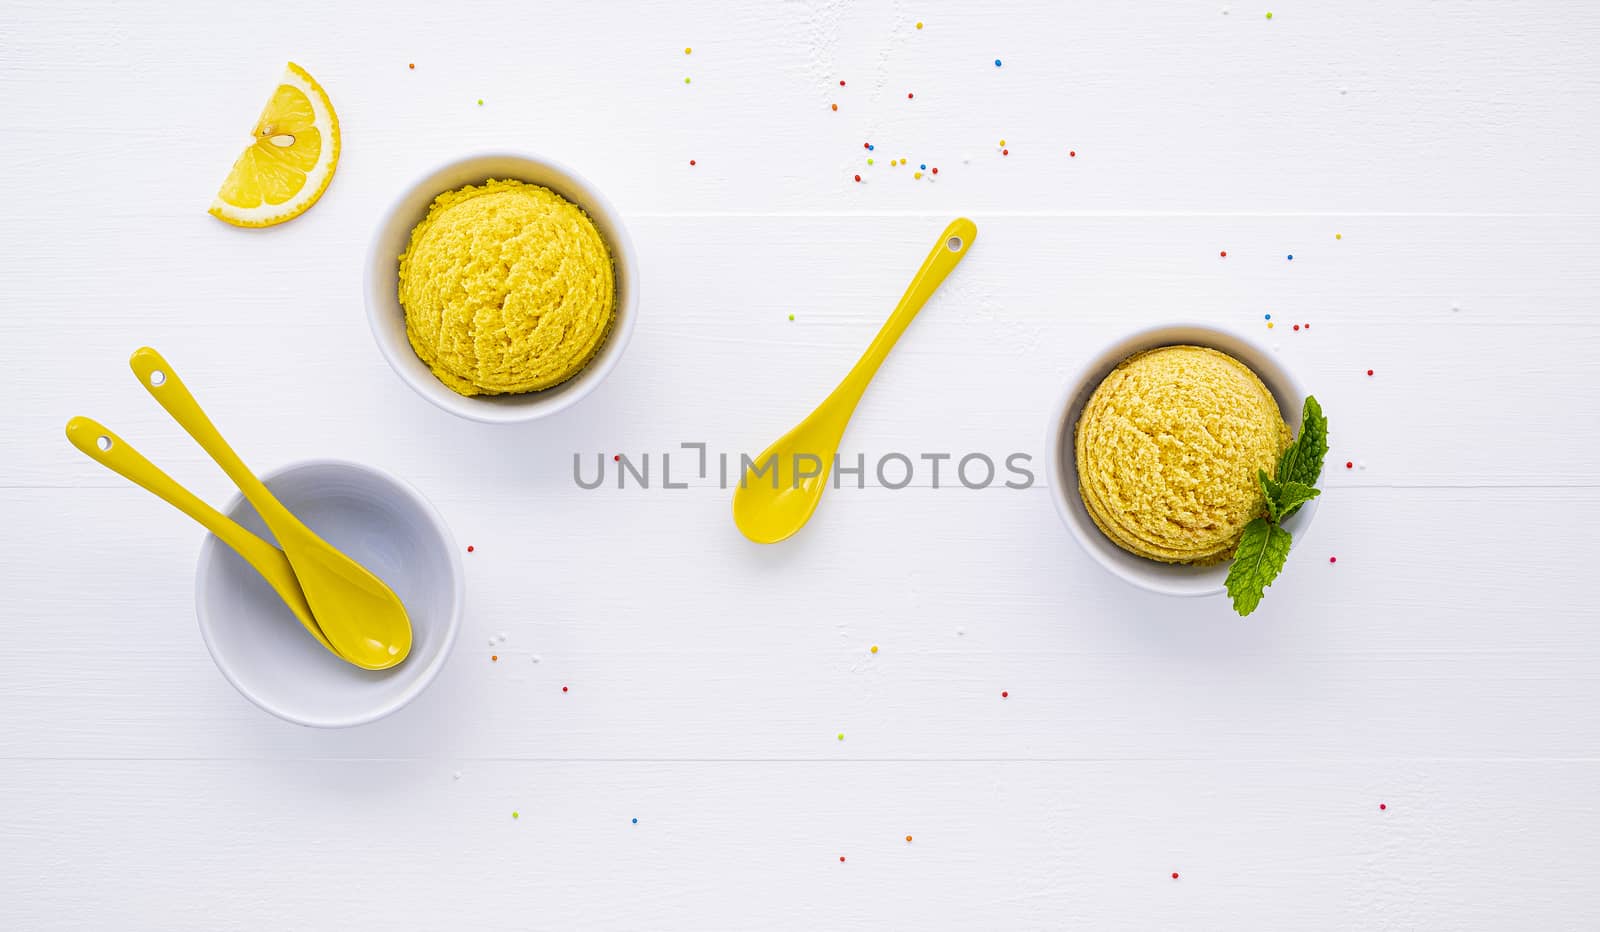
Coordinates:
[362,618]
[768,510]
[112,452]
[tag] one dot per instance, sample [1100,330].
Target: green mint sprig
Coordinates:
[1265,544]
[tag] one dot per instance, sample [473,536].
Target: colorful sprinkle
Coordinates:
[617,458]
[836,108]
[1005,151]
[909,95]
[480,101]
[1267,317]
[687,50]
[869,161]
[1004,694]
[515,814]
[1333,559]
[841,736]
[563,689]
[1369,372]
[908,838]
[1269,16]
[841,84]
[1269,325]
[997,62]
[791,317]
[916,174]
[1002,142]
[469,548]
[691,161]
[635,821]
[686,80]
[874,648]
[1291,257]
[412,66]
[1297,326]
[923,166]
[1072,153]
[494,658]
[858,177]
[919,25]
[1349,465]
[841,859]
[936,169]
[1382,806]
[1338,236]
[1224,254]
[1175,873]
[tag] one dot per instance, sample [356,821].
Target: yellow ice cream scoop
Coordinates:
[1168,448]
[507,287]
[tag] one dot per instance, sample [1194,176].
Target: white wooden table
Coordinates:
[1429,166]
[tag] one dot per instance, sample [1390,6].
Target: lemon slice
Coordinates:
[288,166]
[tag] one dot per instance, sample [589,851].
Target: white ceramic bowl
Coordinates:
[383,282]
[1061,463]
[383,524]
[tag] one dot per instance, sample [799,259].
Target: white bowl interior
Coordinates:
[1062,462]
[388,318]
[262,649]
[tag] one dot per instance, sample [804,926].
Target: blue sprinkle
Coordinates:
[997,62]
[1291,258]
[871,148]
[923,166]
[635,821]
[1269,317]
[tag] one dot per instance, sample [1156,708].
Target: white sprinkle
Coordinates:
[535,658]
[961,632]
[491,642]
[456,775]
[503,637]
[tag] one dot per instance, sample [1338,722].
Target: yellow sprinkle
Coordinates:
[874,648]
[1002,142]
[916,175]
[919,25]
[686,80]
[687,50]
[1269,16]
[516,815]
[1269,325]
[1338,236]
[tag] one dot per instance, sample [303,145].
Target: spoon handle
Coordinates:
[114,453]
[953,245]
[163,383]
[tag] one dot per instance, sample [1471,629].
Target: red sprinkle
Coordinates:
[866,145]
[617,458]
[908,97]
[469,548]
[841,84]
[936,171]
[1333,559]
[1224,254]
[563,689]
[1369,372]
[1297,326]
[1174,875]
[1349,465]
[858,177]
[1071,154]
[691,161]
[1004,694]
[1383,806]
[841,859]
[1005,151]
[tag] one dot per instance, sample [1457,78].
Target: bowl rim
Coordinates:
[457,608]
[1152,575]
[528,406]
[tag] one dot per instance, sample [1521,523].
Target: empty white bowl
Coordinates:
[383,524]
[1061,462]
[388,319]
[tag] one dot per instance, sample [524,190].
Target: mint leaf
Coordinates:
[1284,498]
[1258,561]
[1302,461]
